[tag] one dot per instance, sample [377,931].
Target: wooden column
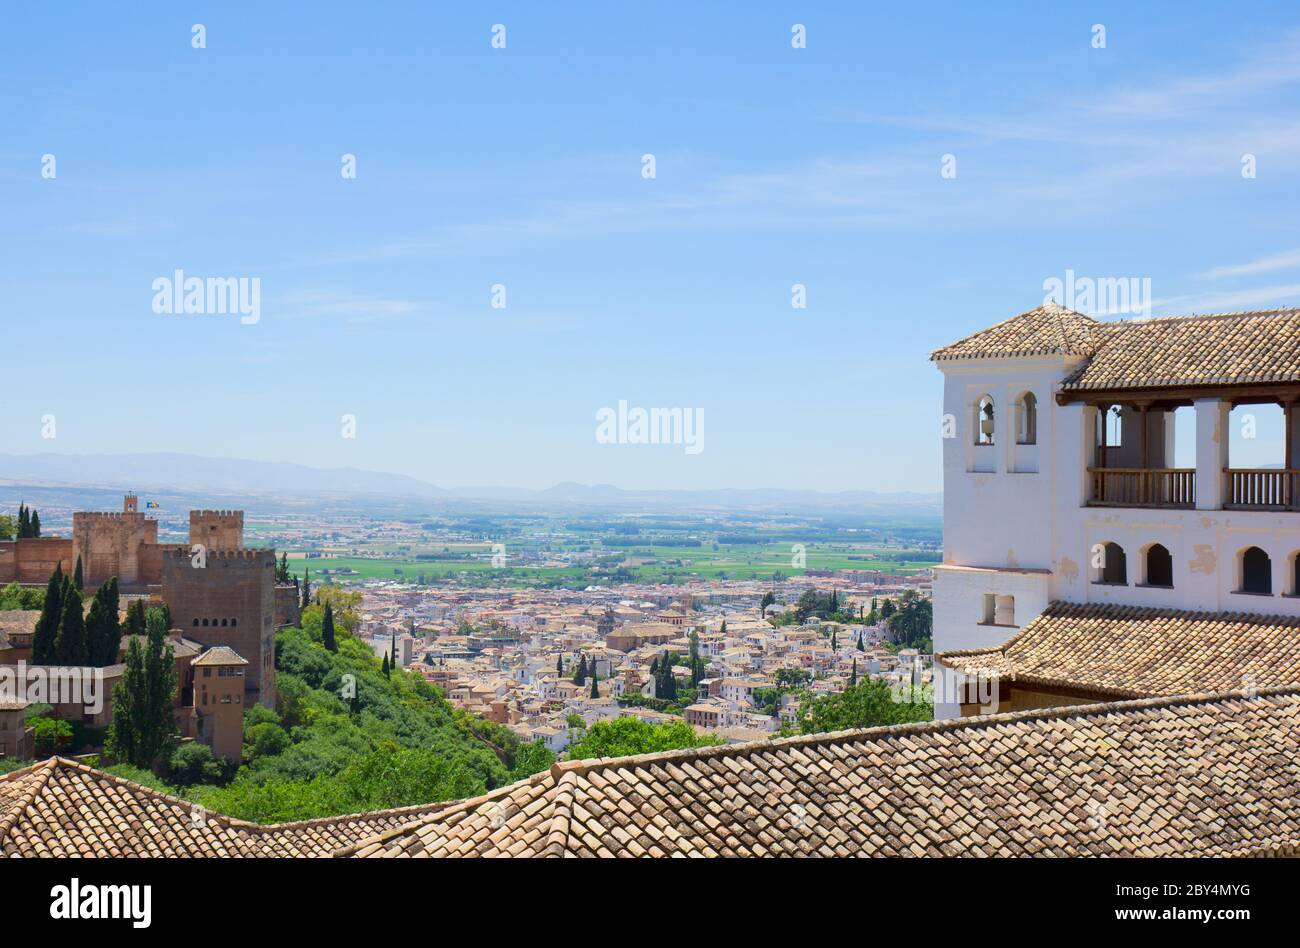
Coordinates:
[1288,479]
[1142,420]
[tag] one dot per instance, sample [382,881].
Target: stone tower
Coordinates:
[217,529]
[219,701]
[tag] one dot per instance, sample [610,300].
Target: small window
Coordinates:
[1160,566]
[1027,419]
[984,421]
[196,622]
[205,623]
[1256,572]
[1114,565]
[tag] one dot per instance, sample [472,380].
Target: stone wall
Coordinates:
[33,559]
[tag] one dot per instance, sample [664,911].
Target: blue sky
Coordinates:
[522,166]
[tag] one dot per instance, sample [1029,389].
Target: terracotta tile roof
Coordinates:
[1227,349]
[1223,349]
[1131,652]
[1194,775]
[60,807]
[220,655]
[1050,329]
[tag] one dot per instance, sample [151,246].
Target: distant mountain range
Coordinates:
[192,473]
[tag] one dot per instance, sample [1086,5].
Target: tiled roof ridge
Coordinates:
[42,771]
[1056,309]
[923,727]
[1183,317]
[451,808]
[1060,608]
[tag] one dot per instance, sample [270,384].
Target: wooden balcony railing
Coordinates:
[1263,489]
[1143,487]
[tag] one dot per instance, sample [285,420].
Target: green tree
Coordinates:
[769,599]
[103,630]
[853,678]
[50,734]
[384,667]
[911,624]
[77,578]
[70,646]
[36,524]
[868,703]
[306,589]
[135,618]
[282,568]
[24,522]
[559,665]
[580,676]
[623,737]
[47,626]
[8,527]
[143,726]
[595,691]
[327,629]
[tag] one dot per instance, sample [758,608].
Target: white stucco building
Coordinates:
[1056,490]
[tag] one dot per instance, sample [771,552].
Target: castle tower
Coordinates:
[115,544]
[217,529]
[227,598]
[130,504]
[219,701]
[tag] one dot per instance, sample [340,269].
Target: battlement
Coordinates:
[106,515]
[196,515]
[186,552]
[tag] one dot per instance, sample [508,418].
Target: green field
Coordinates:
[661,563]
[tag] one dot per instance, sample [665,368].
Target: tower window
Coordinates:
[984,421]
[1027,419]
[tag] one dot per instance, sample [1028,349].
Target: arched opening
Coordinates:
[1256,572]
[1114,565]
[984,421]
[1295,573]
[1027,419]
[1160,566]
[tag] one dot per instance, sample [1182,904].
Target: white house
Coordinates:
[1061,481]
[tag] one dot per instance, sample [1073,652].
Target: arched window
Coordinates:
[234,622]
[224,621]
[1295,573]
[196,622]
[984,420]
[1256,572]
[1114,565]
[1027,419]
[1160,566]
[205,622]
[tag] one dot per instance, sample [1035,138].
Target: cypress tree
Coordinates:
[135,620]
[853,678]
[306,589]
[77,579]
[36,524]
[24,522]
[393,645]
[70,640]
[580,676]
[559,665]
[47,626]
[327,629]
[595,692]
[143,724]
[384,667]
